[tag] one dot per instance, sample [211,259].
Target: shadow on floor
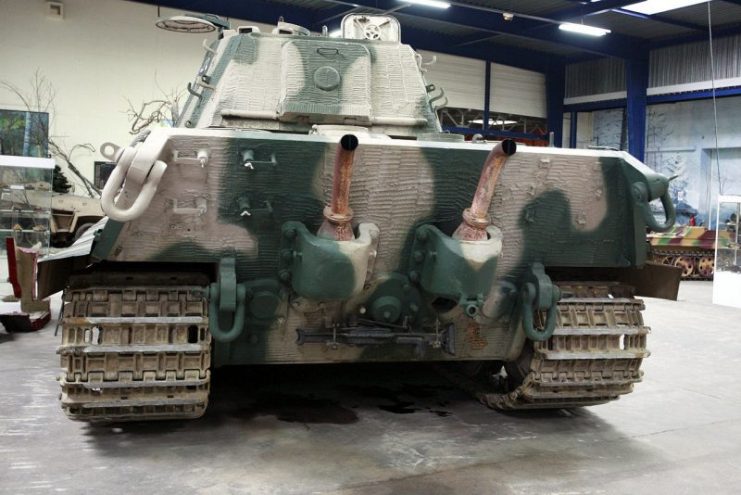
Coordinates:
[339,395]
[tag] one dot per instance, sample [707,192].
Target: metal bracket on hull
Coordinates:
[137,174]
[642,195]
[377,335]
[645,186]
[227,300]
[460,270]
[539,294]
[324,269]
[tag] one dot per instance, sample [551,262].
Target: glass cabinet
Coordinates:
[25,200]
[727,279]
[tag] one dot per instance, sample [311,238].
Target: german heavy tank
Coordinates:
[307,208]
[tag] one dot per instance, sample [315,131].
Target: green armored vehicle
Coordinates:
[308,209]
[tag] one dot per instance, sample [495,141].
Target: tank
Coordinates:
[72,215]
[307,208]
[691,248]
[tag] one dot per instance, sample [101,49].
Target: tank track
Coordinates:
[668,256]
[135,353]
[593,357]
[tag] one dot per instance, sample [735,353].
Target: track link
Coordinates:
[593,357]
[135,353]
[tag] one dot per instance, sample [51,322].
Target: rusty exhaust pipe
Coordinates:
[476,218]
[338,214]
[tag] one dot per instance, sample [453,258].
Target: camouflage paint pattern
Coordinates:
[684,236]
[259,196]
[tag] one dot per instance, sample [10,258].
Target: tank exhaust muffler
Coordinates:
[476,218]
[338,215]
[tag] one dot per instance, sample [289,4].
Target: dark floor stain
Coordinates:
[400,395]
[400,407]
[338,392]
[372,391]
[298,409]
[420,391]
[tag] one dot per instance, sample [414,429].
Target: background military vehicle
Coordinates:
[71,215]
[308,209]
[691,248]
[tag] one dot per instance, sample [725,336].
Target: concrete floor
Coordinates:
[399,430]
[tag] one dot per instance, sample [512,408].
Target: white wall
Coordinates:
[512,90]
[463,79]
[517,91]
[102,53]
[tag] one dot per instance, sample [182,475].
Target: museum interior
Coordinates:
[359,247]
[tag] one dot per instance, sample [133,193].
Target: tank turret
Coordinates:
[289,80]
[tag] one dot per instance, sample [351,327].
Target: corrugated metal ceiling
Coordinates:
[721,13]
[433,26]
[724,13]
[631,26]
[515,41]
[533,7]
[307,4]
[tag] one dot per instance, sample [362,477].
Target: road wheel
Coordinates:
[706,266]
[687,264]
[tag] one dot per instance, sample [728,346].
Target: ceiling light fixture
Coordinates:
[429,3]
[493,122]
[583,29]
[651,7]
[186,24]
[193,23]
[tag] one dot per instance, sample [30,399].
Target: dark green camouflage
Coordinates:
[247,174]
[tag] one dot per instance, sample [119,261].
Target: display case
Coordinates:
[727,280]
[25,200]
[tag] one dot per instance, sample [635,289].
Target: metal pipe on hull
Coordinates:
[476,218]
[338,214]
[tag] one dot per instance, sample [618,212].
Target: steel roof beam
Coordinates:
[501,54]
[613,45]
[255,10]
[327,15]
[589,9]
[662,19]
[268,12]
[718,32]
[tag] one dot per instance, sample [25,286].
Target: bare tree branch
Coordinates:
[154,111]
